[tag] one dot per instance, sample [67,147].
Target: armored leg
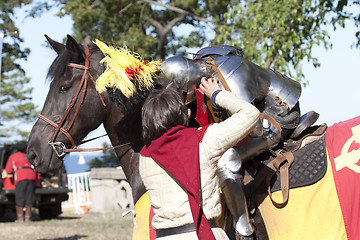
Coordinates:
[257,145]
[231,182]
[234,193]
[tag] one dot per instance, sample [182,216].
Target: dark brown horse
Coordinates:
[73,108]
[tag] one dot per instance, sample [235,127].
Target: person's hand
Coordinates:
[4,174]
[209,86]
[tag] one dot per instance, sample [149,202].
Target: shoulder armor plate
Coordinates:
[221,50]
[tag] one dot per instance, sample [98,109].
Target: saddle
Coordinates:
[300,161]
[309,166]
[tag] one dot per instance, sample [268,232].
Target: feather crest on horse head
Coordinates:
[125,70]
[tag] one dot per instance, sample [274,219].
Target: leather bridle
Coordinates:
[59,147]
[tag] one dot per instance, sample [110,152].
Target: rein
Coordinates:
[58,147]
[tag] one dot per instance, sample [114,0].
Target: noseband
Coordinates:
[59,147]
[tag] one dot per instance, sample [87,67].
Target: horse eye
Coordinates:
[64,88]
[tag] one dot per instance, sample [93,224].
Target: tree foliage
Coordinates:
[152,28]
[281,34]
[107,160]
[15,98]
[276,34]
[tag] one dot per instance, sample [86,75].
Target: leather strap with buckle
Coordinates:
[281,163]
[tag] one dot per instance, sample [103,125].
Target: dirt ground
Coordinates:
[68,226]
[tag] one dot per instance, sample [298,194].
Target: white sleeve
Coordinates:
[221,136]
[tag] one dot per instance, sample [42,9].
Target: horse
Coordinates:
[73,108]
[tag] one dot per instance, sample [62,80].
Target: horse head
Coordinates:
[72,108]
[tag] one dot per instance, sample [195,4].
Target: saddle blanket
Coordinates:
[330,208]
[142,227]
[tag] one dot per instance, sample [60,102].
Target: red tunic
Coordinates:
[181,145]
[19,165]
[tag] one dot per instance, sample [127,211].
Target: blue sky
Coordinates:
[333,90]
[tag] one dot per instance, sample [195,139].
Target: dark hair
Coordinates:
[13,150]
[162,110]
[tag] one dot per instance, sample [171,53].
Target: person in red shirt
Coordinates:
[24,177]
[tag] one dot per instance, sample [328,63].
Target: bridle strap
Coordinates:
[59,147]
[83,79]
[91,77]
[74,149]
[67,150]
[81,90]
[101,98]
[42,117]
[77,65]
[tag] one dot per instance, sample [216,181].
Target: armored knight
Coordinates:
[271,92]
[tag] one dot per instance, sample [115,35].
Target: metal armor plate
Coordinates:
[221,50]
[252,82]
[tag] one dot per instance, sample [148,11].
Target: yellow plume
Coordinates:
[125,70]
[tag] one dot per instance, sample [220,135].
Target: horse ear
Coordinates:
[58,47]
[73,47]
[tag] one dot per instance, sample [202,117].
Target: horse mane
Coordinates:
[136,100]
[58,68]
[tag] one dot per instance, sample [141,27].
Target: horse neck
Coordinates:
[125,134]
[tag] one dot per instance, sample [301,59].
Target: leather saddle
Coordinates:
[308,167]
[301,160]
[306,121]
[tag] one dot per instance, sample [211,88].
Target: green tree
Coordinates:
[107,160]
[281,34]
[152,28]
[276,34]
[15,98]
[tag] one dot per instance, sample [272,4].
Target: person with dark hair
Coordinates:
[178,164]
[25,176]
